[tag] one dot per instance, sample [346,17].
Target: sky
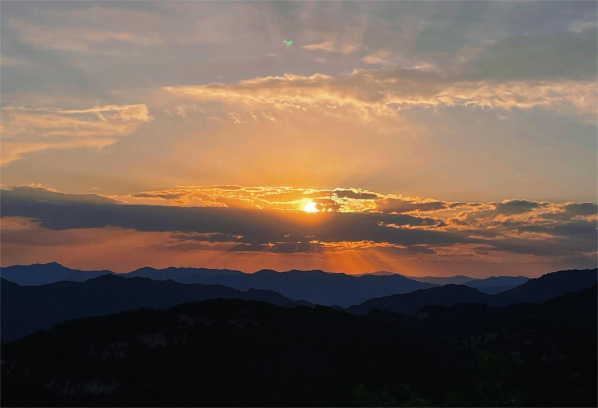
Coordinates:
[424,138]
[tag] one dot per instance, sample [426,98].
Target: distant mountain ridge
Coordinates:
[442,280]
[537,290]
[179,274]
[491,285]
[26,309]
[43,274]
[315,286]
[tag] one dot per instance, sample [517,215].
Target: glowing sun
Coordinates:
[310,207]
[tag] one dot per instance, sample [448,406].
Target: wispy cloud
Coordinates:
[372,94]
[331,46]
[26,130]
[78,39]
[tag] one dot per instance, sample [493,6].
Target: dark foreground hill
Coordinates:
[537,290]
[576,311]
[26,309]
[245,353]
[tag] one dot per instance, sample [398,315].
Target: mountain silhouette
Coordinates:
[491,285]
[497,281]
[411,303]
[574,310]
[43,274]
[315,286]
[537,290]
[230,352]
[220,353]
[179,274]
[444,280]
[26,309]
[549,286]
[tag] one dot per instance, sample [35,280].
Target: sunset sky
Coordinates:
[424,138]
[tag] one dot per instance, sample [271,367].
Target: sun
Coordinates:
[310,207]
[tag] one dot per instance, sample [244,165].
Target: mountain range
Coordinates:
[26,309]
[537,290]
[315,286]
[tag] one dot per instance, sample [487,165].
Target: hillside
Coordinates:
[537,290]
[240,353]
[26,309]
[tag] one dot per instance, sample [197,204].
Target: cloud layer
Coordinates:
[358,222]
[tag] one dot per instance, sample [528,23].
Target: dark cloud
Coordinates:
[327,204]
[572,210]
[400,206]
[418,249]
[33,194]
[355,195]
[570,229]
[165,196]
[206,237]
[581,209]
[255,226]
[512,207]
[280,247]
[276,231]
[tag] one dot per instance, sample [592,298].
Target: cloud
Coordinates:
[391,205]
[581,209]
[331,46]
[355,195]
[523,231]
[509,207]
[371,94]
[81,39]
[565,55]
[11,61]
[39,194]
[26,130]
